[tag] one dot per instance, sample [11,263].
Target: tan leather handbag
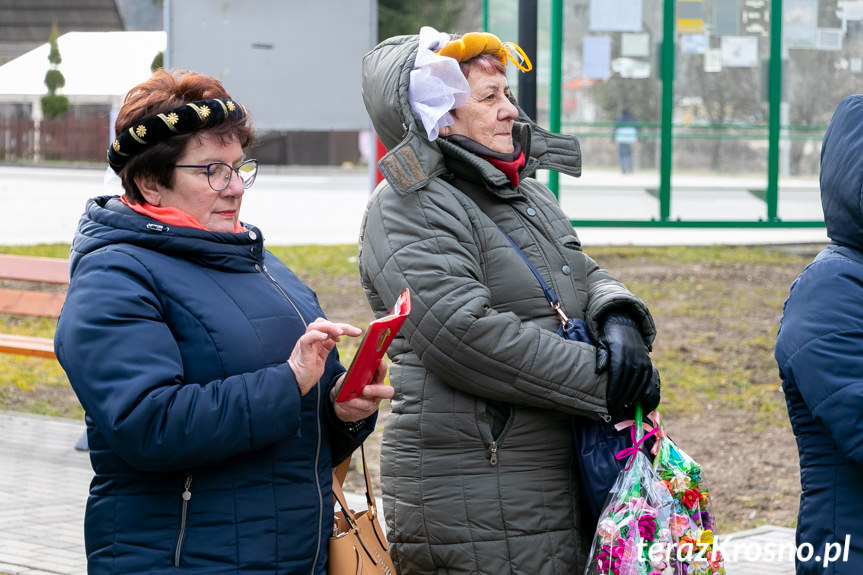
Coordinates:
[358,545]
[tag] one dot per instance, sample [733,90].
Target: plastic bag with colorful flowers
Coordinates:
[632,536]
[691,521]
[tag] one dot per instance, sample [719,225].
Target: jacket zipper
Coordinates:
[318,476]
[492,458]
[263,269]
[497,441]
[184,512]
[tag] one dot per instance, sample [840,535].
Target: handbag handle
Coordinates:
[341,470]
[339,494]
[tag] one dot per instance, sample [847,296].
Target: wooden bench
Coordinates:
[21,271]
[19,298]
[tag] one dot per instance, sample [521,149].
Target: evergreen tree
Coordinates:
[54,104]
[157,62]
[397,17]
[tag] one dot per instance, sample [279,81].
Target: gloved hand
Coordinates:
[621,350]
[650,400]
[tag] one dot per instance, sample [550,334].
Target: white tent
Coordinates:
[99,67]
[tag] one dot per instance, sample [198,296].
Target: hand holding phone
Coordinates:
[373,346]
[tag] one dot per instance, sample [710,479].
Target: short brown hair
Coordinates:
[163,91]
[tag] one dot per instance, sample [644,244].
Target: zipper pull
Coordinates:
[493,457]
[186,493]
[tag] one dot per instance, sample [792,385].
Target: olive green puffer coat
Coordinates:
[477,458]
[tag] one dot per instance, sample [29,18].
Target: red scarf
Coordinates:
[509,168]
[172,216]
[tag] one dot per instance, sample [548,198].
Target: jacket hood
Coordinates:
[842,174]
[108,221]
[412,160]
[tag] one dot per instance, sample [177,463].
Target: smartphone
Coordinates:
[373,346]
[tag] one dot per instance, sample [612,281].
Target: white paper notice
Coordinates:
[630,68]
[635,45]
[615,16]
[693,43]
[713,60]
[829,39]
[800,23]
[596,57]
[850,10]
[739,51]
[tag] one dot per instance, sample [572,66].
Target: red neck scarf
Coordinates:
[509,168]
[172,216]
[509,163]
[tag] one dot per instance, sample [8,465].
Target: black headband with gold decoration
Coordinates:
[184,119]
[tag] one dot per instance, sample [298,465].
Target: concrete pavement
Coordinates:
[44,483]
[43,492]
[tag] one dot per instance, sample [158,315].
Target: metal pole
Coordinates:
[667,110]
[775,103]
[485,15]
[527,23]
[167,24]
[373,136]
[555,89]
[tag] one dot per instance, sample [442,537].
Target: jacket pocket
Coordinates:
[571,241]
[494,420]
[186,496]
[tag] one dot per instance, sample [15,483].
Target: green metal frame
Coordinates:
[556,82]
[667,130]
[775,99]
[667,109]
[703,131]
[669,223]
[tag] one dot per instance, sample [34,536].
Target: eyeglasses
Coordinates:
[219,173]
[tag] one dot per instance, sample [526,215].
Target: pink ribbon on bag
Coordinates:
[660,432]
[636,443]
[656,420]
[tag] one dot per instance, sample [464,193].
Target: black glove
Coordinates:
[650,400]
[622,351]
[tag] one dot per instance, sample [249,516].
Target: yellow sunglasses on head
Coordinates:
[473,44]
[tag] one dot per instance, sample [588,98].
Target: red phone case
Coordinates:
[374,344]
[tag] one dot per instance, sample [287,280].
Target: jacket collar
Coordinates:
[108,221]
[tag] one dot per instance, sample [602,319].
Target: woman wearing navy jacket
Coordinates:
[204,365]
[819,350]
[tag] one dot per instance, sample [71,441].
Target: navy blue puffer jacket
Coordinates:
[819,350]
[206,457]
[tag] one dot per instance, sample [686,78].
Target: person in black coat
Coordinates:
[819,349]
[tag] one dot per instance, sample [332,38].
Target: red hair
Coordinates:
[485,62]
[161,92]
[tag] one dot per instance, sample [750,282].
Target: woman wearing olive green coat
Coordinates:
[477,457]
